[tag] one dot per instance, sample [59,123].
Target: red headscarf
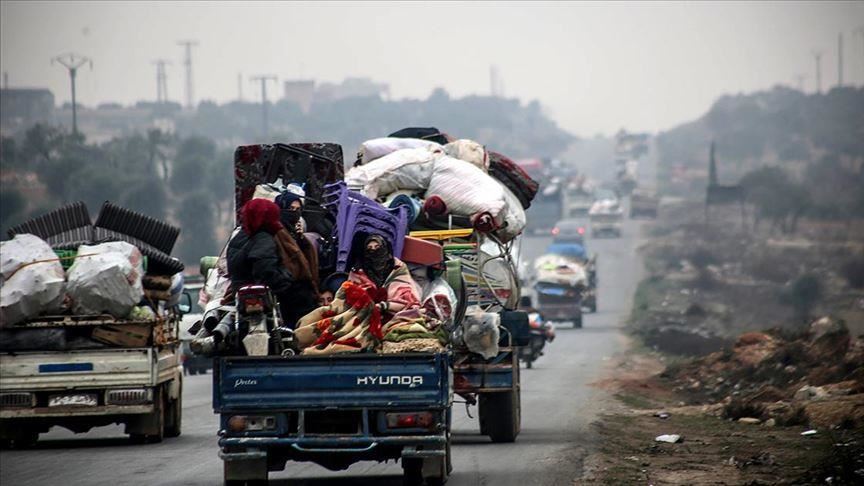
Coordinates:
[260,214]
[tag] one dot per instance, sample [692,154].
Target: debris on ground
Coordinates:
[670,438]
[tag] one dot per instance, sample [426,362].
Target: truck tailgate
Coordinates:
[346,380]
[76,369]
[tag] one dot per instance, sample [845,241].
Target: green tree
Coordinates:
[194,157]
[804,293]
[195,216]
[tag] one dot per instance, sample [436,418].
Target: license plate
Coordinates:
[76,400]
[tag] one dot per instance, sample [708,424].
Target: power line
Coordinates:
[187,62]
[263,78]
[161,80]
[840,59]
[817,57]
[72,62]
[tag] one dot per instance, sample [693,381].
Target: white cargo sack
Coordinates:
[560,270]
[109,281]
[514,216]
[466,189]
[29,289]
[480,332]
[379,147]
[406,169]
[469,151]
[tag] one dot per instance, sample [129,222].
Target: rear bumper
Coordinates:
[66,412]
[328,444]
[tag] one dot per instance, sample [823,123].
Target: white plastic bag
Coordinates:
[379,147]
[439,301]
[514,216]
[406,169]
[469,151]
[108,281]
[29,289]
[480,332]
[466,189]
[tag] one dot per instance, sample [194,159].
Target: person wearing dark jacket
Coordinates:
[264,252]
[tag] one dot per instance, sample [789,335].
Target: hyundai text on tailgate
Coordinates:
[334,411]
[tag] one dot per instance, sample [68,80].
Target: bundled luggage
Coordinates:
[32,282]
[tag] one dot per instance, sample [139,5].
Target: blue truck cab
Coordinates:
[334,411]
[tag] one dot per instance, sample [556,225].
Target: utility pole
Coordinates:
[817,57]
[840,59]
[72,62]
[239,86]
[860,31]
[187,62]
[799,79]
[5,80]
[263,78]
[161,80]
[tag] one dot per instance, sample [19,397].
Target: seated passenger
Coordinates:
[379,302]
[264,252]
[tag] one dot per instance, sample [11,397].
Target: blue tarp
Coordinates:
[573,250]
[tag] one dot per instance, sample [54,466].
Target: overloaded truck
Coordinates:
[338,409]
[644,204]
[94,343]
[605,217]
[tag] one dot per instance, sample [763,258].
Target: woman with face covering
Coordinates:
[378,297]
[265,252]
[377,266]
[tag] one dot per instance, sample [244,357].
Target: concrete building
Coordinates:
[23,107]
[300,91]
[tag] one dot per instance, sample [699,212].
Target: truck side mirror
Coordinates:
[185,305]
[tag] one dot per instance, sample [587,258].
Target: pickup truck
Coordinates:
[643,204]
[50,376]
[334,411]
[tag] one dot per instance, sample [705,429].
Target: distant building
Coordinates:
[22,107]
[300,91]
[352,88]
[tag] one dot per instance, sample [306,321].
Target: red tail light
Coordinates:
[410,420]
[581,230]
[555,231]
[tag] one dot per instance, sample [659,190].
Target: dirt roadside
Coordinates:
[782,405]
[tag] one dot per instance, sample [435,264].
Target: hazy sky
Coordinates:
[594,66]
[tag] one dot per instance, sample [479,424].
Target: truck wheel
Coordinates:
[173,413]
[577,321]
[412,471]
[437,469]
[499,415]
[153,425]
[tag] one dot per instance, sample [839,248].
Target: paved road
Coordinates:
[557,407]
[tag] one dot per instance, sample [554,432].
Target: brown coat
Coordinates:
[300,259]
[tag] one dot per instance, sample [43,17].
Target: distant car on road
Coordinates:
[569,231]
[192,364]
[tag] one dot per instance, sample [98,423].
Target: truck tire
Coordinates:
[412,472]
[156,426]
[173,413]
[499,415]
[577,321]
[437,469]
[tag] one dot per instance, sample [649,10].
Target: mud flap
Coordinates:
[244,466]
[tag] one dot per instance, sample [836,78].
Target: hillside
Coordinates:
[781,127]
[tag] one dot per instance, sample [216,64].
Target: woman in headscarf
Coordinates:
[265,252]
[379,302]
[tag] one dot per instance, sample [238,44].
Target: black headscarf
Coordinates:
[377,264]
